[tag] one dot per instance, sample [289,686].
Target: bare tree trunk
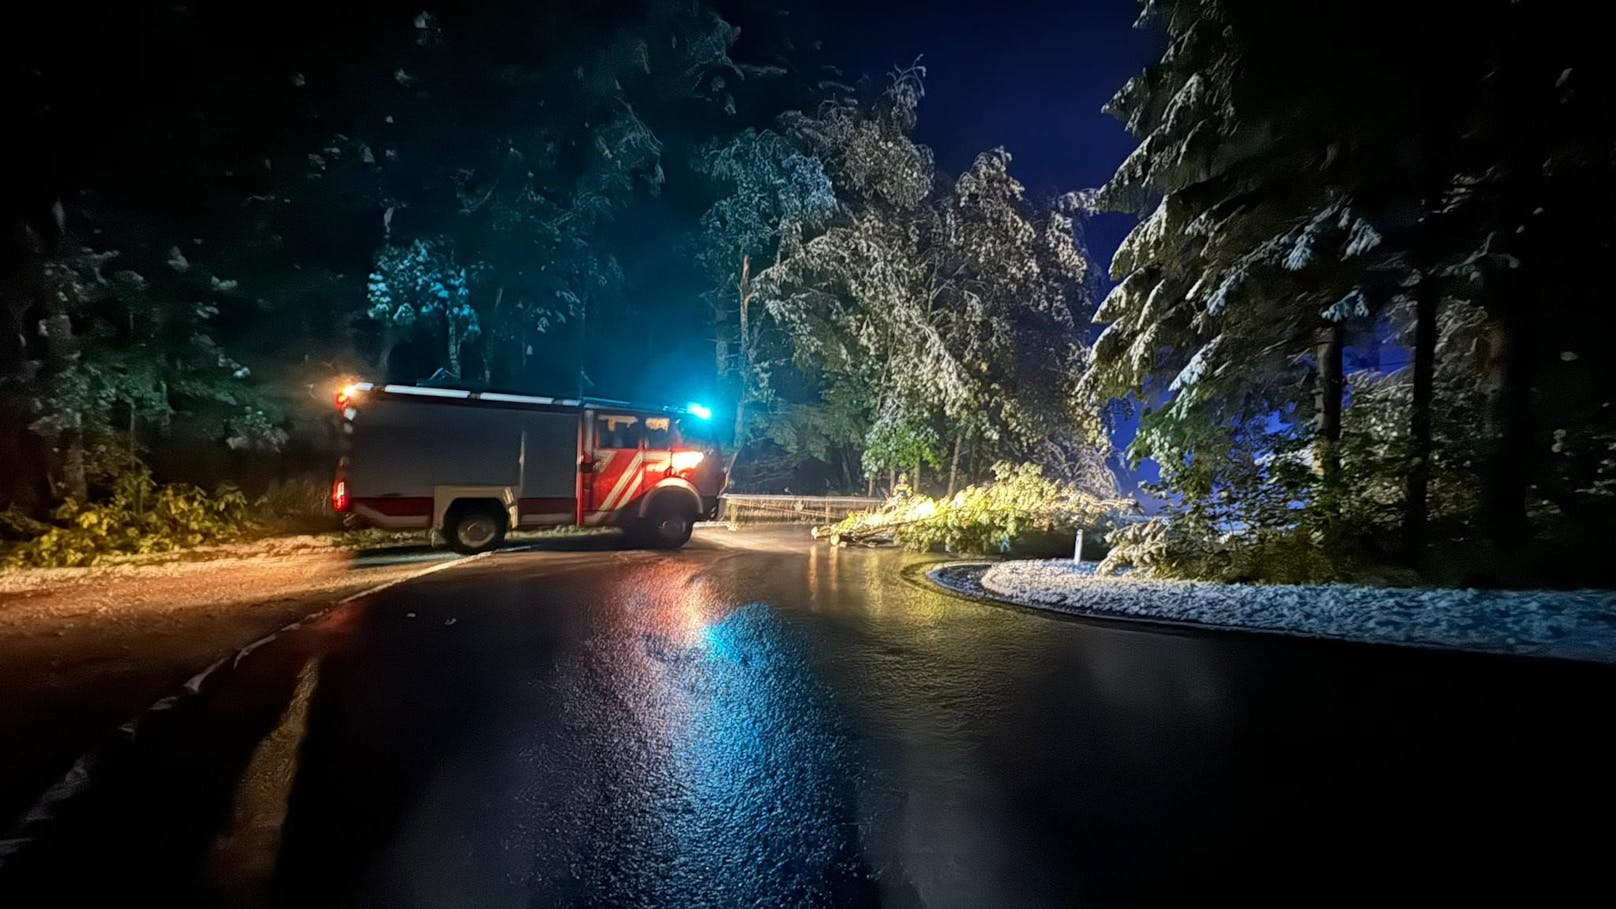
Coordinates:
[1327,395]
[134,441]
[720,342]
[71,481]
[953,464]
[30,235]
[1416,498]
[745,350]
[736,446]
[1508,475]
[454,346]
[1327,392]
[743,299]
[67,443]
[918,477]
[384,362]
[488,346]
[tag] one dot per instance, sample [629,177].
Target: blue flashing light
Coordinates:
[699,411]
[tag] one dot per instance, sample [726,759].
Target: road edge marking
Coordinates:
[432,569]
[44,809]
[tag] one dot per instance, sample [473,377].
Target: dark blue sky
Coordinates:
[1030,76]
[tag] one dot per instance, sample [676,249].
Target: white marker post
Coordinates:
[1077,549]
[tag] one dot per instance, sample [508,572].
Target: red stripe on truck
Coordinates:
[397,506]
[551,505]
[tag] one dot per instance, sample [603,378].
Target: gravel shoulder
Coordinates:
[1577,624]
[84,649]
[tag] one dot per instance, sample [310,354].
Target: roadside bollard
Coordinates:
[1077,548]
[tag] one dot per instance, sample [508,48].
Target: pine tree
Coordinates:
[1257,257]
[1302,204]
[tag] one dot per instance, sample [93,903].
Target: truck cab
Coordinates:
[649,458]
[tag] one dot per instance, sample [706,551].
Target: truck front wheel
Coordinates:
[666,525]
[474,528]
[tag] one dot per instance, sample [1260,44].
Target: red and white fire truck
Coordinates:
[476,464]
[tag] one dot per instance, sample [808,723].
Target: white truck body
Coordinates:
[423,457]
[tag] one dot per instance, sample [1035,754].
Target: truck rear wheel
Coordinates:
[474,528]
[666,525]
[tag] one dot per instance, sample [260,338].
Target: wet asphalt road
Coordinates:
[760,721]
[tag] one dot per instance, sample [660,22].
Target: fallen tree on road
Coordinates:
[986,519]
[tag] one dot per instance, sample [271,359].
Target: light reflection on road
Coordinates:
[792,724]
[718,768]
[695,744]
[243,855]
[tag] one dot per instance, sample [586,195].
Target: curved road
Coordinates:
[761,721]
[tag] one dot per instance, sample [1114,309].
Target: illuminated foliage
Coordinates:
[954,304]
[137,517]
[422,287]
[127,359]
[1020,503]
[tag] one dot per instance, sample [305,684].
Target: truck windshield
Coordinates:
[661,432]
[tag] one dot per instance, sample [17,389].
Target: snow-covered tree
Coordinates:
[421,287]
[954,301]
[1256,257]
[1299,207]
[774,194]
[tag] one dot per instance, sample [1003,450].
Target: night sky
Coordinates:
[1029,76]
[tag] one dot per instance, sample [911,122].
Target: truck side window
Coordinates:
[617,432]
[658,433]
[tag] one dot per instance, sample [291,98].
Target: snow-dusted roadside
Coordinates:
[83,649]
[1568,624]
[118,566]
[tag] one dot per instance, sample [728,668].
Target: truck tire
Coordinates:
[666,525]
[474,528]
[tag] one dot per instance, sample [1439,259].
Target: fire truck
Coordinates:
[473,465]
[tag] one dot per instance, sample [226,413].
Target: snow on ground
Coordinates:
[200,560]
[1572,624]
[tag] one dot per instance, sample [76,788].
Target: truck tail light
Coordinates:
[686,460]
[339,495]
[346,395]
